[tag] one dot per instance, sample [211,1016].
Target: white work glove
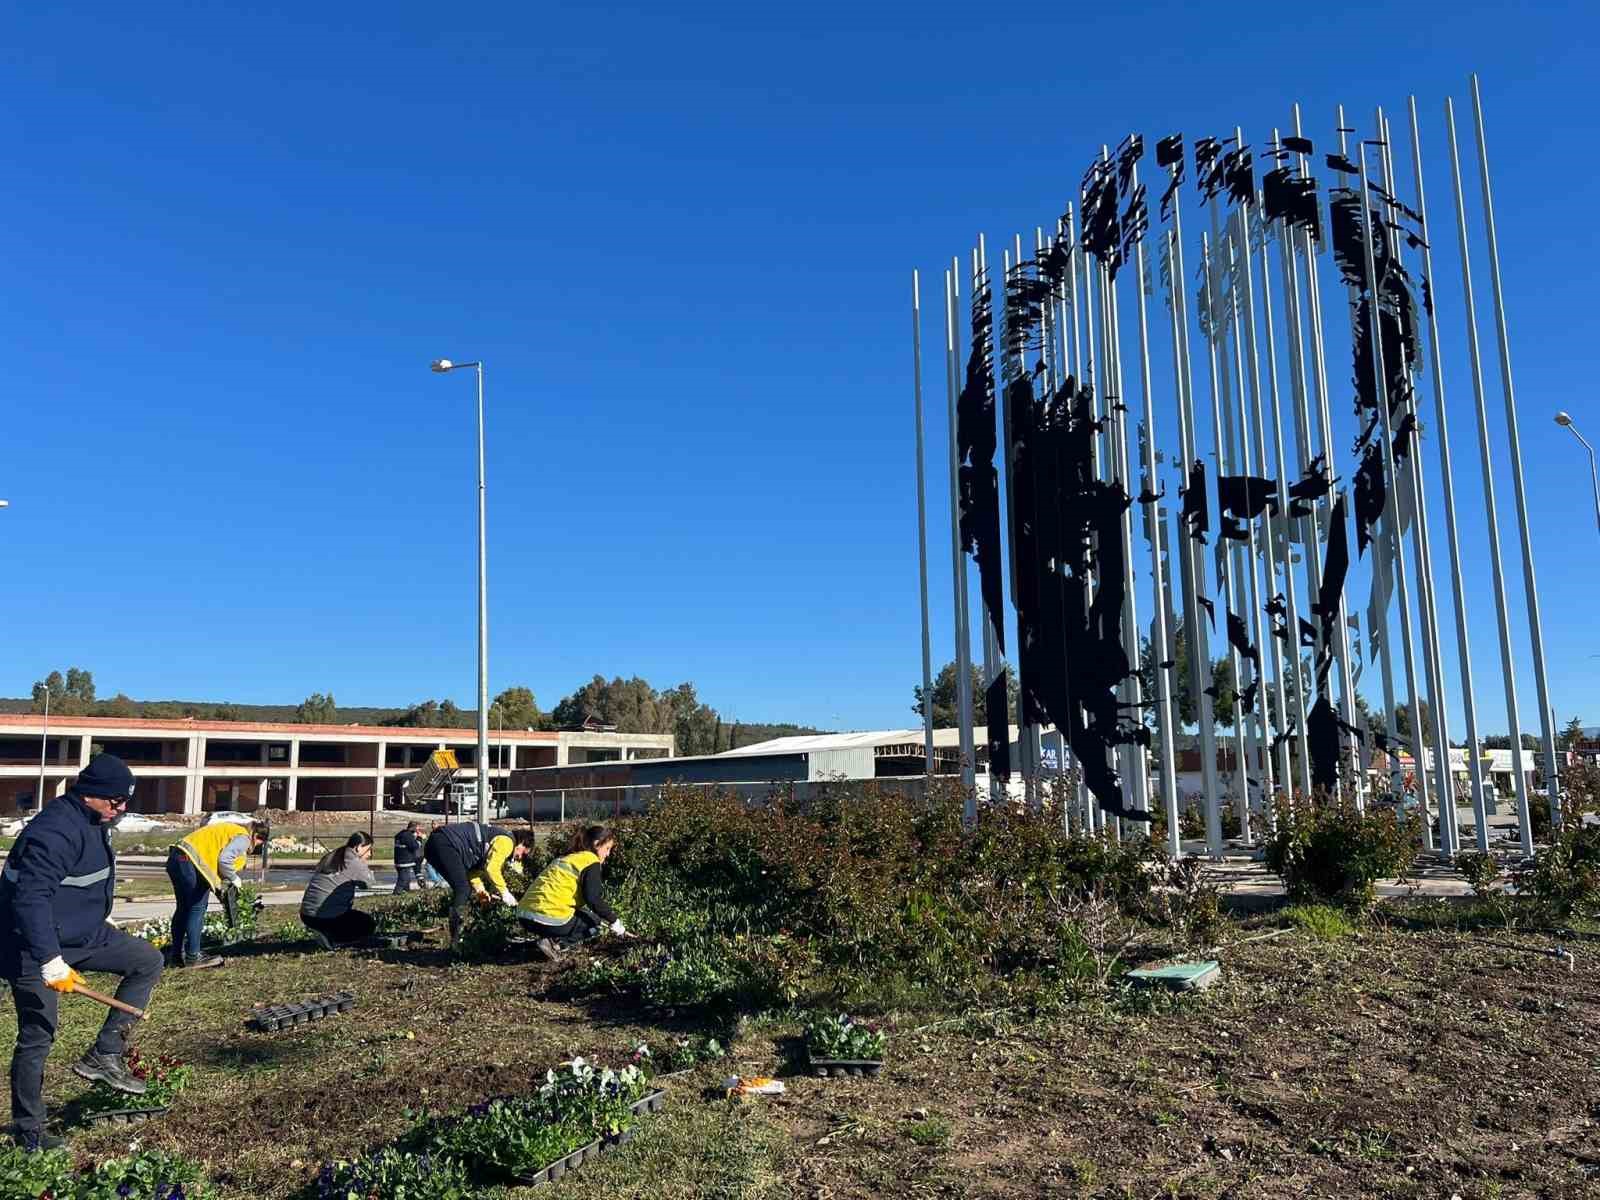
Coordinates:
[56,970]
[508,899]
[618,928]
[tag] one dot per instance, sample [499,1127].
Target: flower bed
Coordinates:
[158,931]
[576,1114]
[147,1175]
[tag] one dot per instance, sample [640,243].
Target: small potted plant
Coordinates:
[164,1077]
[844,1046]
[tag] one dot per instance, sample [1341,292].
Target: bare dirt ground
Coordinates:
[1413,1058]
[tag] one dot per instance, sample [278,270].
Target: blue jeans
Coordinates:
[190,916]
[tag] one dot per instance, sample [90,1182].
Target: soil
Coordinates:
[1415,1058]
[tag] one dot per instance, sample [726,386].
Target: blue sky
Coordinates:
[682,243]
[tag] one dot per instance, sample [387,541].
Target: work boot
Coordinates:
[109,1069]
[34,1140]
[547,950]
[203,960]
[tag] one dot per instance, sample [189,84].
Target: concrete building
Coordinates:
[191,766]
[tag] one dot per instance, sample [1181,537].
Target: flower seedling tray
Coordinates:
[823,1067]
[122,1116]
[403,940]
[270,1018]
[1178,977]
[562,1165]
[649,1103]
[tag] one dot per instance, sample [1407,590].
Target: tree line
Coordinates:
[630,705]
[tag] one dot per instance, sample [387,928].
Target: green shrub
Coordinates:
[488,931]
[1564,877]
[1331,852]
[31,1175]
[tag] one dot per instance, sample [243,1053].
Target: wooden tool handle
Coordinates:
[110,1002]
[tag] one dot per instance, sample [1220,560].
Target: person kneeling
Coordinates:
[328,907]
[566,904]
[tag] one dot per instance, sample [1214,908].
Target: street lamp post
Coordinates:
[1594,475]
[442,366]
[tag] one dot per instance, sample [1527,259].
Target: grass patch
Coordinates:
[1322,921]
[933,1131]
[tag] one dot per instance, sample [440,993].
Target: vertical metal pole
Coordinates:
[1291,592]
[1199,645]
[44,740]
[922,531]
[1392,505]
[1412,493]
[1160,650]
[1535,625]
[483,626]
[1502,603]
[1341,644]
[958,554]
[1224,559]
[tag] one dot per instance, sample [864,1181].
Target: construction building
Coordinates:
[192,766]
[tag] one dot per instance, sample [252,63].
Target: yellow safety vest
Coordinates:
[553,896]
[204,847]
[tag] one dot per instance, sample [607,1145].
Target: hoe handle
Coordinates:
[110,1002]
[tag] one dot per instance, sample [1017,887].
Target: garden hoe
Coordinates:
[75,986]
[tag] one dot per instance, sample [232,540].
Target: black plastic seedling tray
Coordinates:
[270,1018]
[122,1116]
[823,1067]
[640,1107]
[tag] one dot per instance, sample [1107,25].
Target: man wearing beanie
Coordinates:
[55,896]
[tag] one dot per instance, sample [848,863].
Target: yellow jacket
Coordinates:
[494,862]
[553,896]
[218,852]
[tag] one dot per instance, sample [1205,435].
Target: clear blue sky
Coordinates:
[682,243]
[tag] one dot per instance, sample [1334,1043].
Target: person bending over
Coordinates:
[471,856]
[328,907]
[208,860]
[566,904]
[55,898]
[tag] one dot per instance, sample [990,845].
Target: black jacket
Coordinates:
[407,849]
[57,886]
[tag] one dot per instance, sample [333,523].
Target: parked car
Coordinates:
[136,823]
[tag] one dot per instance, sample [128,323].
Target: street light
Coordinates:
[1594,475]
[443,366]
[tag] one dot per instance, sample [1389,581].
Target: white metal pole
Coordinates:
[1160,650]
[1413,494]
[1594,473]
[963,664]
[1447,477]
[1200,645]
[1341,645]
[1502,603]
[1392,500]
[44,740]
[484,789]
[1535,625]
[922,525]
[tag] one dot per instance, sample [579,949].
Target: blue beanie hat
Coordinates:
[106,776]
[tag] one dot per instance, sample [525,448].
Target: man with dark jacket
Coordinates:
[407,857]
[55,895]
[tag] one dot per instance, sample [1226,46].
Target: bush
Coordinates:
[757,902]
[1564,877]
[1331,852]
[1321,921]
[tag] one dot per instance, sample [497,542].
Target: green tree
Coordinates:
[1572,733]
[69,695]
[227,711]
[317,709]
[1406,728]
[1222,683]
[945,706]
[514,708]
[118,706]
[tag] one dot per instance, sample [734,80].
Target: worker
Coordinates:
[471,857]
[208,860]
[55,898]
[328,907]
[566,904]
[407,857]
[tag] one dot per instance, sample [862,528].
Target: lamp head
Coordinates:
[1563,419]
[441,365]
